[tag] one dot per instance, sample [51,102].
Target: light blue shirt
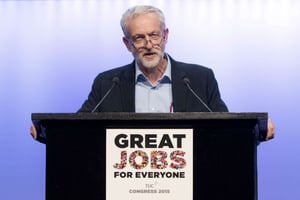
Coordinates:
[153,99]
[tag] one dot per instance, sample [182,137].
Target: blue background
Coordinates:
[50,52]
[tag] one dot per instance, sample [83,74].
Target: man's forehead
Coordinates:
[144,23]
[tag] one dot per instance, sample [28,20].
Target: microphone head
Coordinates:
[186,80]
[116,80]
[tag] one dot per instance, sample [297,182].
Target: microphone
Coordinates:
[187,83]
[115,81]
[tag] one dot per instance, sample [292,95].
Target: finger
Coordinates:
[271,130]
[33,132]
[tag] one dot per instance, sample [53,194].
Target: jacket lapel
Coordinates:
[179,90]
[127,89]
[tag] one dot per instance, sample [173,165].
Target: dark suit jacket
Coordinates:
[122,97]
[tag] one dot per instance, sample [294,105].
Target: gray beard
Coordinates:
[149,64]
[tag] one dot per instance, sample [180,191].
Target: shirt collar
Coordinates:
[166,77]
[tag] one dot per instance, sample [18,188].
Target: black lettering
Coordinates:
[120,141]
[150,141]
[179,138]
[136,140]
[165,142]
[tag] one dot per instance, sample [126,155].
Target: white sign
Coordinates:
[147,164]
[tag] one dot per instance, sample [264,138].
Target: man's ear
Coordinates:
[166,35]
[127,44]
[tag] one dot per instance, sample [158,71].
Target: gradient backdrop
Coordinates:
[50,52]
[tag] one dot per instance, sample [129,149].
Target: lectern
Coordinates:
[223,149]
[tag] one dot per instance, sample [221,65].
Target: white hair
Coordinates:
[139,10]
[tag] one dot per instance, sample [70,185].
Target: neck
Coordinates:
[154,74]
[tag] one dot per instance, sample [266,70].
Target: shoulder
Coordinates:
[190,69]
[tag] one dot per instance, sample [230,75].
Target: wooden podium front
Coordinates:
[224,151]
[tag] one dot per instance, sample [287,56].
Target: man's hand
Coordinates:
[271,130]
[33,132]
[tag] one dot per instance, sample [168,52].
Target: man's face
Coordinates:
[146,40]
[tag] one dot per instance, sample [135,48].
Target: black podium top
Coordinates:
[238,118]
[151,116]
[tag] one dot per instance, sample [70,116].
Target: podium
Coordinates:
[224,151]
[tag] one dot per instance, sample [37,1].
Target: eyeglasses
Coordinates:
[140,41]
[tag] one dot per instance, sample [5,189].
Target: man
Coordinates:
[154,82]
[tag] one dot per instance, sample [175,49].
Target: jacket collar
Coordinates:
[179,90]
